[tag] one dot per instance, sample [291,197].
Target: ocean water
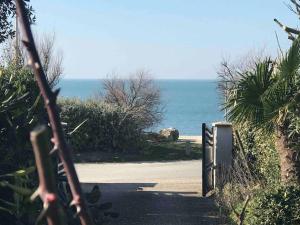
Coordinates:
[188,103]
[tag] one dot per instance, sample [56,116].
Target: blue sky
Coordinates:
[171,38]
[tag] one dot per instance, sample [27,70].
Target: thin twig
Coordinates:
[243,213]
[279,46]
[241,216]
[50,101]
[242,149]
[297,6]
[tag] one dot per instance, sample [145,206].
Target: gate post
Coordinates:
[207,160]
[204,191]
[223,146]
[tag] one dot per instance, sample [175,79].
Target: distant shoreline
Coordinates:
[188,103]
[192,138]
[168,79]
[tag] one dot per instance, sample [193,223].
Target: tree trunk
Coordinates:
[289,161]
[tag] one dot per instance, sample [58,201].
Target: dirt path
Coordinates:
[166,193]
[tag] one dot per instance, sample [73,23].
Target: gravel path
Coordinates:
[164,193]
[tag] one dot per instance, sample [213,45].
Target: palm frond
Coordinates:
[289,65]
[268,95]
[281,97]
[245,100]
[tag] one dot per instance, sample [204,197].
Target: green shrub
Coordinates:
[15,191]
[279,206]
[107,127]
[255,168]
[261,154]
[20,109]
[267,158]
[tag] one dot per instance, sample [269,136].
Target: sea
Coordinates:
[187,103]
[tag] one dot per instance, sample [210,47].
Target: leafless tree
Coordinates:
[138,95]
[51,58]
[229,72]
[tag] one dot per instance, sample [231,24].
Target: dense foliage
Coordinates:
[103,126]
[267,98]
[263,104]
[255,167]
[275,206]
[20,109]
[7,12]
[260,154]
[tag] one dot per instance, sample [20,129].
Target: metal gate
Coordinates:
[208,180]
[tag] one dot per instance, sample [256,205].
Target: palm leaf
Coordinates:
[281,98]
[245,100]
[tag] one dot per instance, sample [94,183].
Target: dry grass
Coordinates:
[186,148]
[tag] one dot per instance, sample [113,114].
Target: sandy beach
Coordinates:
[194,139]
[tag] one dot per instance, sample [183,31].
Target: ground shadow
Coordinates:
[138,207]
[121,187]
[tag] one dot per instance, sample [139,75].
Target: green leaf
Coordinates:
[76,128]
[23,172]
[17,189]
[6,210]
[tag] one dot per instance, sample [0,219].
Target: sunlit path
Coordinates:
[166,193]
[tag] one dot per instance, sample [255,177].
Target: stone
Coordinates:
[171,134]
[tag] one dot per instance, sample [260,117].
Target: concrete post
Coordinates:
[223,145]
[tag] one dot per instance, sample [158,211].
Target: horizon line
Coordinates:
[80,78]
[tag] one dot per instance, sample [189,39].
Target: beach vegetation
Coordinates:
[51,57]
[267,99]
[262,102]
[261,99]
[138,95]
[107,133]
[149,151]
[22,106]
[21,109]
[105,127]
[8,14]
[278,205]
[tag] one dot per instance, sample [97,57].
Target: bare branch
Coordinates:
[230,72]
[49,97]
[288,30]
[243,213]
[138,95]
[50,58]
[279,46]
